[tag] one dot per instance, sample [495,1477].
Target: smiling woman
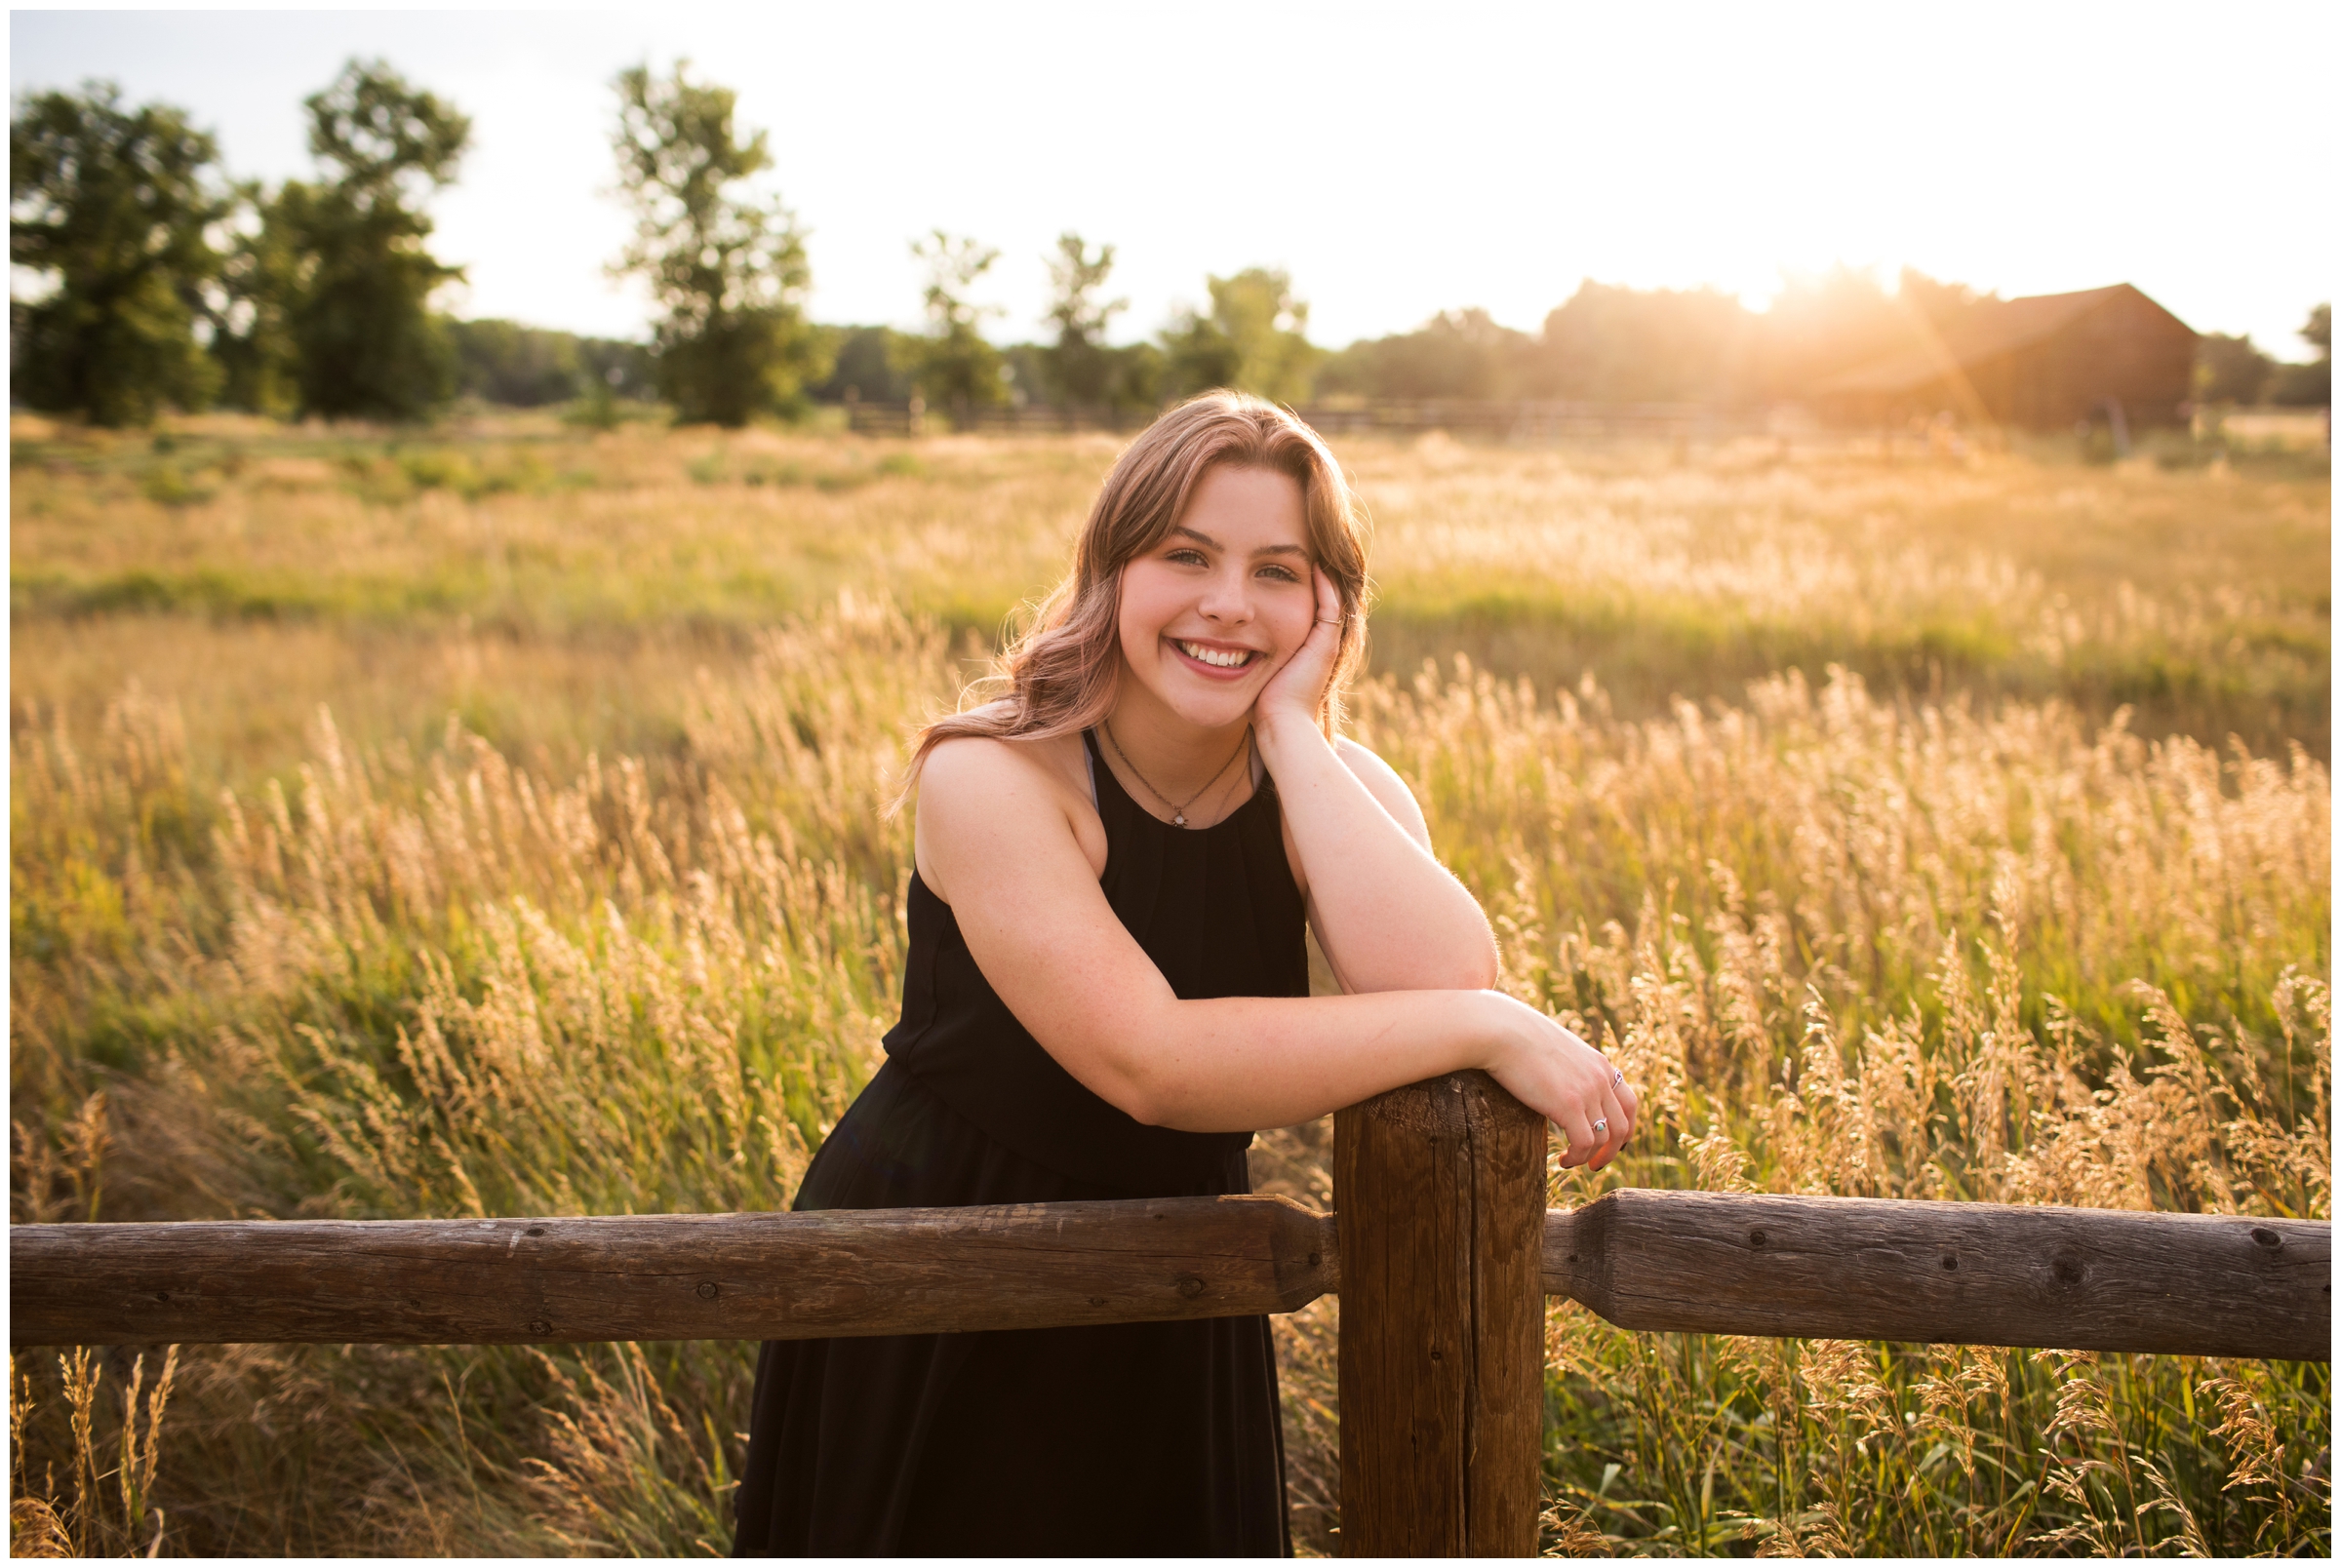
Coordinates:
[1106,992]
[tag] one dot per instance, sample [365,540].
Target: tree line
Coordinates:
[170,286]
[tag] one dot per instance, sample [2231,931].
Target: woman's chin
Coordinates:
[1211,708]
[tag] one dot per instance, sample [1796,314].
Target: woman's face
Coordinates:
[1213,610]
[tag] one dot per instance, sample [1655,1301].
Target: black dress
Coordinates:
[1157,1440]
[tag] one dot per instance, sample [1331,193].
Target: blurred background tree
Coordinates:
[957,366]
[1455,354]
[1079,366]
[726,270]
[2310,385]
[866,365]
[111,207]
[337,274]
[1627,345]
[252,330]
[522,367]
[1255,340]
[519,366]
[2230,370]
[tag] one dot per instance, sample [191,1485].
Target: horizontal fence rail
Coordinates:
[838,1273]
[1970,1274]
[1723,1263]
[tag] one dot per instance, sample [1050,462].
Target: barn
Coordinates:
[2045,363]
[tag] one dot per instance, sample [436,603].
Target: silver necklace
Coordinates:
[1178,808]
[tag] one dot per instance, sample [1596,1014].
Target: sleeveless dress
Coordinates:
[1155,1439]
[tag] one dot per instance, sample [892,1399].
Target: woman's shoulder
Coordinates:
[989,759]
[986,796]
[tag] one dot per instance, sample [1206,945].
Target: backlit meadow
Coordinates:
[492,822]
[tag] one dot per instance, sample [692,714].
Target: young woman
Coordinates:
[1108,990]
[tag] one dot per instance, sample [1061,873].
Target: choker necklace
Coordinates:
[1178,808]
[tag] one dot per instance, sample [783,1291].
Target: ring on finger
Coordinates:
[1617,1079]
[1601,1124]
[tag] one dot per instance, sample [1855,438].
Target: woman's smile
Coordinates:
[1215,661]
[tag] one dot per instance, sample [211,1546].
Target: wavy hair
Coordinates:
[1062,673]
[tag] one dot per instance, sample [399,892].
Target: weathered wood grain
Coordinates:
[1972,1273]
[1440,1191]
[665,1277]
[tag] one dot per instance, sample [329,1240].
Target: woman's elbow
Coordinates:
[1134,1086]
[1474,973]
[1462,966]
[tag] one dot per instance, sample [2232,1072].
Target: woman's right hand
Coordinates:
[1552,1072]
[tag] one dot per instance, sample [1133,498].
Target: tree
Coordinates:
[332,291]
[1079,366]
[1821,324]
[1255,339]
[1609,344]
[252,331]
[2310,385]
[726,265]
[519,366]
[957,365]
[866,365]
[2230,370]
[114,205]
[1455,354]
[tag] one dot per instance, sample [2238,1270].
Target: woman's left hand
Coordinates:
[1298,687]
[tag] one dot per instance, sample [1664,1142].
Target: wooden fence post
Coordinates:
[1439,1188]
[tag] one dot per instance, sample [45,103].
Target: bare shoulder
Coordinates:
[1383,783]
[980,798]
[979,765]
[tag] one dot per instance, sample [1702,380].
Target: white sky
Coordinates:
[1397,159]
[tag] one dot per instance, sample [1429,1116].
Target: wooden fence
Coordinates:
[1441,1248]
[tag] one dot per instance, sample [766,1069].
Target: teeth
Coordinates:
[1225,661]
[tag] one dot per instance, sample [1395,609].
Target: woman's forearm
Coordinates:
[1239,1063]
[1388,915]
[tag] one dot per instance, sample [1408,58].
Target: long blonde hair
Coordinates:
[1061,674]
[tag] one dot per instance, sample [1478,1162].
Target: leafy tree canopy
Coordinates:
[2230,370]
[1078,368]
[328,297]
[113,207]
[1455,354]
[2310,385]
[1255,340]
[384,140]
[957,365]
[726,266]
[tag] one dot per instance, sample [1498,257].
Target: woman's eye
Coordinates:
[1279,574]
[1187,557]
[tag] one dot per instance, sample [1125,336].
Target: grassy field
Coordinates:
[489,822]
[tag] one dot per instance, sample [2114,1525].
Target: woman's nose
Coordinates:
[1228,598]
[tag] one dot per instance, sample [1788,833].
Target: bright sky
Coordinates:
[1397,159]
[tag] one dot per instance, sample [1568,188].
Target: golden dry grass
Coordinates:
[476,847]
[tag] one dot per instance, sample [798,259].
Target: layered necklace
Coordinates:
[1178,808]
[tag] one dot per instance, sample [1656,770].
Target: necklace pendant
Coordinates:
[1179,820]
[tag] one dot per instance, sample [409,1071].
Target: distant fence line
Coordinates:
[1526,421]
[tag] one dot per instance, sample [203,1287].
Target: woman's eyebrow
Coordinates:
[1265,549]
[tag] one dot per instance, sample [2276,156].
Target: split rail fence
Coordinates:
[1441,1248]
